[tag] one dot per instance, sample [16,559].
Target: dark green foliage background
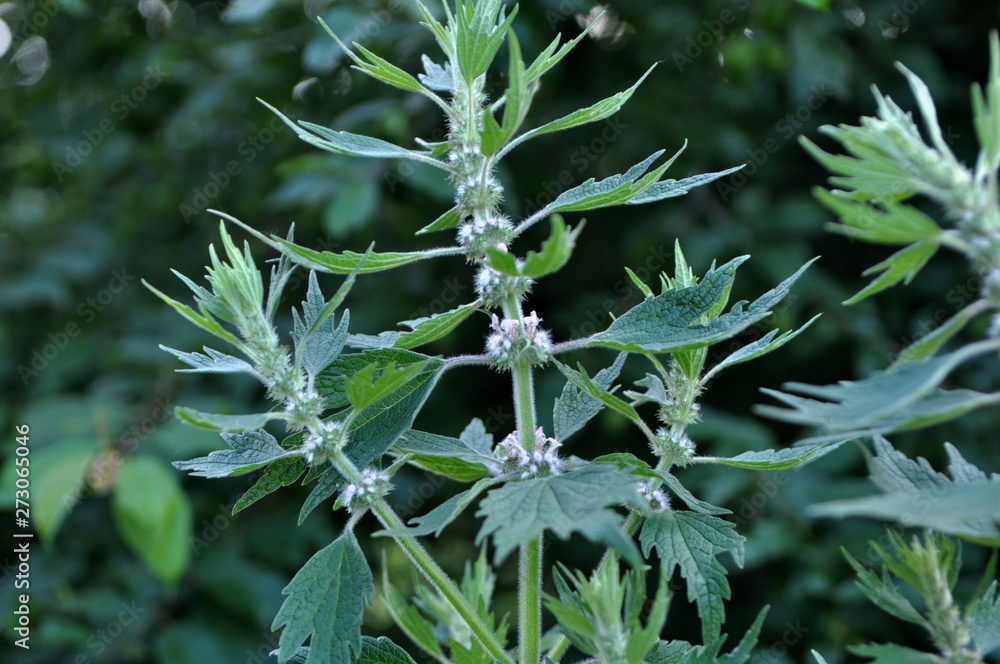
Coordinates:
[776,68]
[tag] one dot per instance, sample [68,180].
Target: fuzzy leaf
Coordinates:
[682,652]
[762,346]
[595,113]
[449,219]
[203,320]
[377,427]
[280,473]
[885,223]
[345,263]
[692,541]
[573,409]
[231,423]
[318,345]
[250,450]
[612,191]
[665,189]
[432,450]
[519,511]
[478,36]
[365,388]
[877,400]
[901,266]
[555,253]
[326,599]
[984,624]
[588,387]
[439,517]
[929,344]
[785,459]
[884,593]
[426,330]
[410,620]
[211,362]
[916,495]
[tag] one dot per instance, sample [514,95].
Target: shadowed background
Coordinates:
[123,123]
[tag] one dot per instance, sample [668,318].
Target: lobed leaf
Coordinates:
[250,451]
[326,599]
[692,542]
[426,330]
[574,408]
[211,362]
[518,512]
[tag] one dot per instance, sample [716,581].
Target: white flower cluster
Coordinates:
[479,233]
[658,500]
[373,485]
[680,448]
[511,336]
[318,445]
[543,458]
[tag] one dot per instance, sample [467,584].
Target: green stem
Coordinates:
[442,582]
[530,576]
[429,568]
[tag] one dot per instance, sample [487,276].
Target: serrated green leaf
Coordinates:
[518,512]
[426,330]
[665,189]
[211,362]
[376,428]
[901,266]
[478,36]
[876,401]
[762,346]
[153,515]
[664,323]
[229,423]
[790,457]
[345,263]
[984,621]
[587,386]
[691,542]
[449,219]
[447,456]
[681,652]
[884,593]
[573,408]
[612,191]
[410,621]
[518,97]
[365,387]
[595,113]
[929,344]
[250,451]
[326,599]
[439,517]
[886,223]
[281,473]
[555,253]
[203,320]
[317,345]
[917,495]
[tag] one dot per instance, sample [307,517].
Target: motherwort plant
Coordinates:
[348,400]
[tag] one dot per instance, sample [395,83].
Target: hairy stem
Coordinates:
[530,576]
[429,568]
